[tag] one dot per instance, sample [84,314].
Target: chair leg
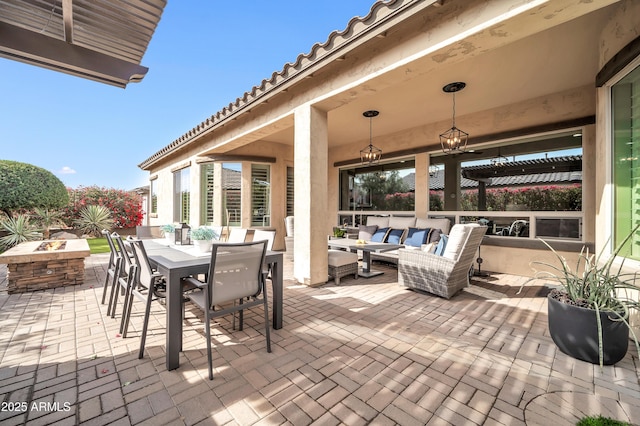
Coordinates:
[267,326]
[128,306]
[114,284]
[106,284]
[207,327]
[145,324]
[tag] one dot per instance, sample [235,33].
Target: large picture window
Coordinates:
[207,195]
[290,191]
[182,195]
[153,190]
[232,193]
[260,195]
[386,187]
[626,162]
[520,180]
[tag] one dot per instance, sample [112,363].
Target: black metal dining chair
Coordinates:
[147,286]
[235,282]
[113,268]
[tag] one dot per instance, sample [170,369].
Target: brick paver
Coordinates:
[364,352]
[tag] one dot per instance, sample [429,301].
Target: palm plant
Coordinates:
[19,229]
[93,219]
[48,219]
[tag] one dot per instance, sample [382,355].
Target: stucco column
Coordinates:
[451,183]
[421,190]
[310,211]
[218,198]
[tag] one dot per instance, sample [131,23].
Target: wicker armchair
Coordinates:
[442,275]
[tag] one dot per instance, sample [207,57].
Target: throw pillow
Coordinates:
[394,236]
[366,232]
[442,244]
[434,237]
[380,235]
[429,247]
[416,237]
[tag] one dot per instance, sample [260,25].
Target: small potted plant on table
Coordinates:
[203,238]
[169,231]
[589,312]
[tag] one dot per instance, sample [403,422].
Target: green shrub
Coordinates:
[19,229]
[25,186]
[47,219]
[600,421]
[93,219]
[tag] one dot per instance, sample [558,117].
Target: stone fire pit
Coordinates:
[39,265]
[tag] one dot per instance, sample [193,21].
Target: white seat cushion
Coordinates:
[339,258]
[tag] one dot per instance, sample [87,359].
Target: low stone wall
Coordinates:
[31,270]
[32,276]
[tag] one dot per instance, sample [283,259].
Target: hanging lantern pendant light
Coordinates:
[371,154]
[454,140]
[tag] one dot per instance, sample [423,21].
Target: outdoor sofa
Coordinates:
[414,233]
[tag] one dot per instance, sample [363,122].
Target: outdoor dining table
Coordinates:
[177,262]
[367,248]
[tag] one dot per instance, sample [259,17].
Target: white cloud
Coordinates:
[66,170]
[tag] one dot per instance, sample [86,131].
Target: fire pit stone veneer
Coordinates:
[31,268]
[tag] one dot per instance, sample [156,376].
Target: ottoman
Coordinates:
[342,263]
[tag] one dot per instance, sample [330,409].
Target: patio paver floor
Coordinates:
[366,351]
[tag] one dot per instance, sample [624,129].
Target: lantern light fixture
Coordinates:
[454,140]
[370,155]
[183,234]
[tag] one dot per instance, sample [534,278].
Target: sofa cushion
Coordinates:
[379,221]
[434,236]
[401,222]
[429,248]
[380,235]
[394,236]
[441,223]
[365,232]
[417,236]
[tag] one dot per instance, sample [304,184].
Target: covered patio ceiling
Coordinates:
[101,40]
[516,60]
[529,63]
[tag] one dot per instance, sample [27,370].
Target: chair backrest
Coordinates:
[237,235]
[217,230]
[143,271]
[125,252]
[113,252]
[260,234]
[235,271]
[463,243]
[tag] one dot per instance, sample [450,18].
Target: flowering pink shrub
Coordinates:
[402,201]
[536,198]
[125,207]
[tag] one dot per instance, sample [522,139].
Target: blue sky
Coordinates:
[203,55]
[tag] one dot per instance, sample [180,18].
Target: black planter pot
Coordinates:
[575,331]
